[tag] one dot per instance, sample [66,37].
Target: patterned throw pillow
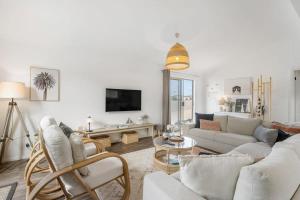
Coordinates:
[210,125]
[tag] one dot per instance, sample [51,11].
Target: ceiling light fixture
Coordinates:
[178,57]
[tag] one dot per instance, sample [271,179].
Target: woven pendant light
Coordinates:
[178,57]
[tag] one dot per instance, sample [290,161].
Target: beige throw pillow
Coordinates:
[212,176]
[210,125]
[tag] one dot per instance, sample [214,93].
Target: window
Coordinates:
[181,100]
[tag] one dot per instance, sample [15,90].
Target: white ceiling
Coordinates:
[215,32]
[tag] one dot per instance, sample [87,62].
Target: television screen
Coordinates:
[123,100]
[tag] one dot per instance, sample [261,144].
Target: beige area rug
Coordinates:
[7,192]
[140,163]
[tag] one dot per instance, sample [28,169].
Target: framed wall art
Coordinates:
[44,84]
[238,86]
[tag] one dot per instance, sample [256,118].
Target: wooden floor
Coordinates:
[13,171]
[121,148]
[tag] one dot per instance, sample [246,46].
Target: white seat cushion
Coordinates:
[258,150]
[212,176]
[218,141]
[234,139]
[104,171]
[225,138]
[100,172]
[276,177]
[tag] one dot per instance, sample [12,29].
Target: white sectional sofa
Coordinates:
[234,132]
[276,177]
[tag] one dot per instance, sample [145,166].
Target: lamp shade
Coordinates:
[177,58]
[89,119]
[221,101]
[9,90]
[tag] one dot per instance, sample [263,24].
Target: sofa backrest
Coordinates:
[294,142]
[243,126]
[275,177]
[223,121]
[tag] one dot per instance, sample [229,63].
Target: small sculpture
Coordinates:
[129,121]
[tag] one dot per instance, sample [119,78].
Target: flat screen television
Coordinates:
[123,100]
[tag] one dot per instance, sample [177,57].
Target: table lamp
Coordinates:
[12,91]
[221,103]
[89,120]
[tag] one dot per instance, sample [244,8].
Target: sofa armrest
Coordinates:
[161,186]
[187,127]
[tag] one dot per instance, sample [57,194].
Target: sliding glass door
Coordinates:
[181,100]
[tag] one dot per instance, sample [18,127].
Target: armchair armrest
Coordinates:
[159,185]
[97,157]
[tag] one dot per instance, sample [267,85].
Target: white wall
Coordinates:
[273,51]
[40,34]
[83,94]
[123,44]
[95,45]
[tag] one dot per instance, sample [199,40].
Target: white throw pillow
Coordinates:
[60,152]
[276,177]
[47,121]
[58,147]
[78,152]
[212,176]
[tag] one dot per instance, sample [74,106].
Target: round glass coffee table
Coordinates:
[166,153]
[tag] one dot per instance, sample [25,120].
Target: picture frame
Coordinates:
[242,105]
[44,84]
[238,86]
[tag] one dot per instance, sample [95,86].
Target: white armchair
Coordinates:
[101,168]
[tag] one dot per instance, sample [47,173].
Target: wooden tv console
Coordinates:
[110,130]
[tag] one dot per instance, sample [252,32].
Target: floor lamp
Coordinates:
[12,91]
